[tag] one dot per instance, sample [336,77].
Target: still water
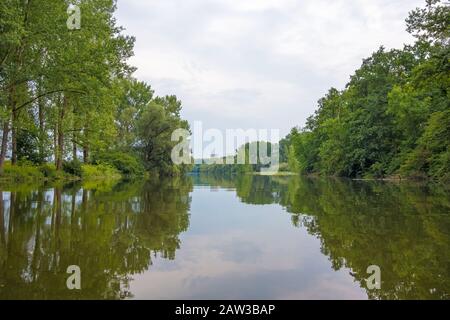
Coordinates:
[206,237]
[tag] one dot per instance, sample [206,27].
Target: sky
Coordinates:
[260,64]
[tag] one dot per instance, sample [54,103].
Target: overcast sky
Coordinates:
[259,64]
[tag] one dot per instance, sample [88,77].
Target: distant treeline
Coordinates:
[250,157]
[392,118]
[68,96]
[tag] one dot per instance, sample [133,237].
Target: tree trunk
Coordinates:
[37,237]
[55,142]
[60,135]
[58,202]
[41,130]
[2,221]
[4,147]
[85,145]
[56,223]
[11,218]
[74,147]
[13,101]
[59,161]
[84,201]
[14,137]
[7,127]
[86,153]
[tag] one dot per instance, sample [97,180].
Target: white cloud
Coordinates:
[257,63]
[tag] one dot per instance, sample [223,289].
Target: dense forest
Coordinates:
[68,101]
[392,118]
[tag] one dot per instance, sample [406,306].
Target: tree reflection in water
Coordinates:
[115,232]
[402,227]
[111,233]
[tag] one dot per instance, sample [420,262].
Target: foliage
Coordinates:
[73,167]
[250,157]
[154,134]
[432,153]
[22,173]
[392,117]
[49,171]
[127,164]
[101,171]
[67,94]
[27,147]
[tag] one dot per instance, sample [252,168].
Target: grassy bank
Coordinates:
[47,173]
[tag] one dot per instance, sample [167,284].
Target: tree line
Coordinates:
[392,118]
[249,157]
[68,96]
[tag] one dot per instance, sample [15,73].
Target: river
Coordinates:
[208,237]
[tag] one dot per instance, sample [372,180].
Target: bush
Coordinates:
[284,167]
[100,171]
[73,167]
[21,173]
[376,171]
[48,170]
[431,156]
[127,164]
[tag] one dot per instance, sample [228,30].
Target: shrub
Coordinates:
[22,172]
[73,167]
[48,170]
[284,167]
[431,156]
[99,171]
[376,171]
[127,164]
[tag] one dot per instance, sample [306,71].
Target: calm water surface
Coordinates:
[226,238]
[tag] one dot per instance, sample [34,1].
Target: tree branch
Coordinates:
[46,94]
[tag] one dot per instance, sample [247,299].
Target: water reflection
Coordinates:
[402,227]
[110,233]
[227,237]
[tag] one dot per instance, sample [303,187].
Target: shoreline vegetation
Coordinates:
[47,173]
[70,107]
[396,178]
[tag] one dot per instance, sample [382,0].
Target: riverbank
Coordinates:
[314,175]
[393,179]
[274,174]
[23,173]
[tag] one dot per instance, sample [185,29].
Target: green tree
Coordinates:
[379,124]
[155,127]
